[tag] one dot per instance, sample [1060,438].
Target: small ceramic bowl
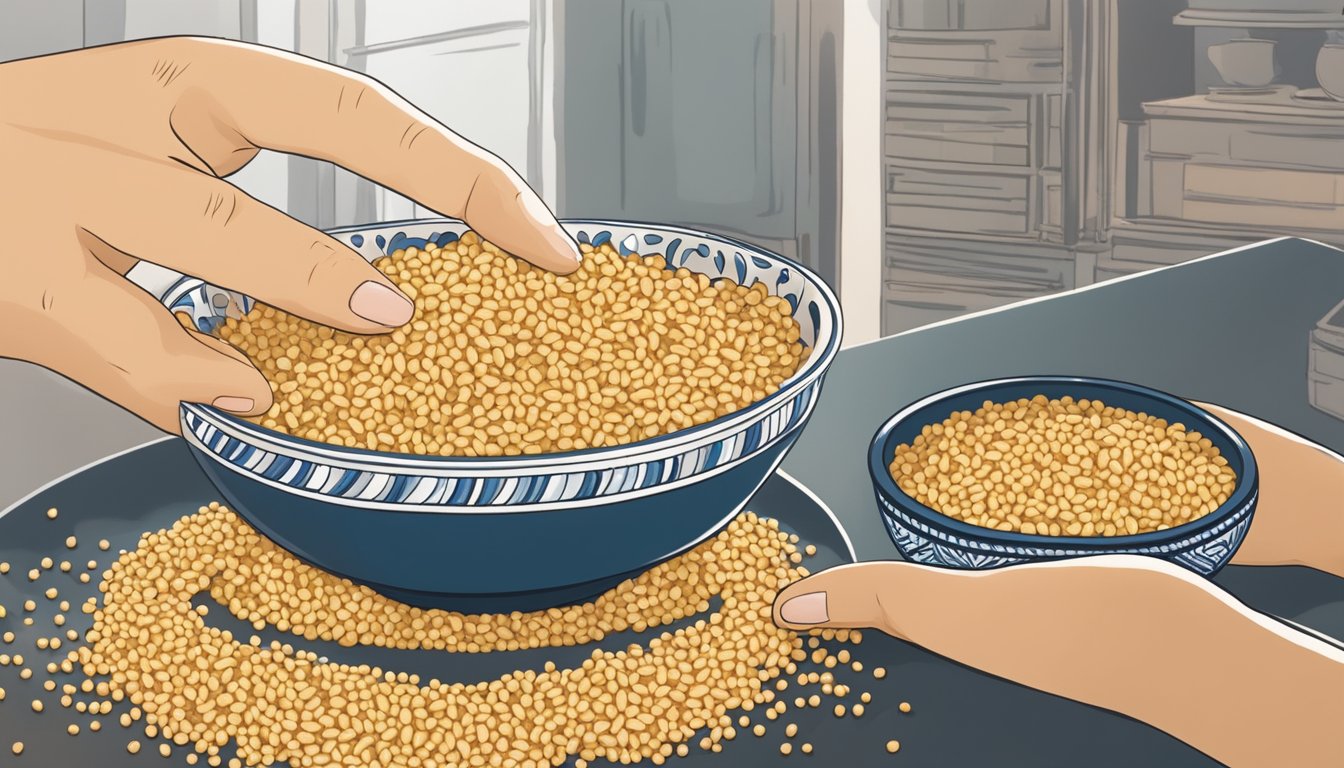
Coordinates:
[924,535]
[1330,70]
[511,532]
[1245,63]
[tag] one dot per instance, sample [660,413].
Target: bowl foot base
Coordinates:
[558,597]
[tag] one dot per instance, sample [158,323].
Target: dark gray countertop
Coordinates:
[1230,329]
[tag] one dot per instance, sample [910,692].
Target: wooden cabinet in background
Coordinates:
[993,186]
[710,114]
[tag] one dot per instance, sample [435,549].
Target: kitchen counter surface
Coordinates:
[1231,329]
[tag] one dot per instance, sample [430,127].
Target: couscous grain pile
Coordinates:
[502,358]
[1063,467]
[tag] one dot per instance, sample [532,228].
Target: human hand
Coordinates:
[116,154]
[1298,520]
[1132,634]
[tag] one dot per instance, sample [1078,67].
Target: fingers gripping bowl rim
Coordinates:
[680,487]
[925,535]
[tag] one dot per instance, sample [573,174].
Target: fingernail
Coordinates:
[805,609]
[379,304]
[567,243]
[234,404]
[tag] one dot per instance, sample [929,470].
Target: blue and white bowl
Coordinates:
[512,532]
[924,535]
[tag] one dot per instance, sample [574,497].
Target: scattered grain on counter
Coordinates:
[893,746]
[1063,467]
[104,544]
[785,748]
[904,707]
[51,513]
[646,702]
[147,618]
[502,358]
[879,673]
[807,748]
[16,748]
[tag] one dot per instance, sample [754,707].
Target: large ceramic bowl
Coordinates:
[513,532]
[926,536]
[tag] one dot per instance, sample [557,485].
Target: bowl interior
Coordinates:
[906,425]
[812,304]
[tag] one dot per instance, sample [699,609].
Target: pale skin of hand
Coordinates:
[1133,634]
[117,154]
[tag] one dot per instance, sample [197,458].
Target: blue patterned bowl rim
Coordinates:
[823,353]
[880,454]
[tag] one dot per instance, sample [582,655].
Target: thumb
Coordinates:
[844,597]
[116,340]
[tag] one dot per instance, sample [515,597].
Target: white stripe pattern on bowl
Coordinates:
[401,481]
[481,489]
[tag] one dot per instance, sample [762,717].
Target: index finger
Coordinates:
[294,104]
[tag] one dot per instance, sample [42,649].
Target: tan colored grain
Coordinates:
[502,358]
[1063,467]
[642,703]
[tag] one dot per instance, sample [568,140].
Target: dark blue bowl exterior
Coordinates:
[469,560]
[924,535]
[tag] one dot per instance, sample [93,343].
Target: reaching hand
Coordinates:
[1134,634]
[1299,520]
[118,153]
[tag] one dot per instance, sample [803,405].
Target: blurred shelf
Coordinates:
[1177,231]
[895,233]
[1279,108]
[1261,19]
[898,83]
[957,166]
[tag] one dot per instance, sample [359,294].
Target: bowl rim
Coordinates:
[1245,490]
[817,363]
